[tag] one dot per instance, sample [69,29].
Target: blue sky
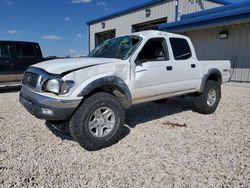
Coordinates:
[58,25]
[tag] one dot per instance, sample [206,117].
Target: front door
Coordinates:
[153,70]
[7,67]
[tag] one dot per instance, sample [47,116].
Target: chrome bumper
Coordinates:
[47,108]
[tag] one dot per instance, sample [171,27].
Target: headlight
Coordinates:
[53,86]
[58,86]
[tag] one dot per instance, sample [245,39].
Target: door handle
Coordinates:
[169,68]
[193,65]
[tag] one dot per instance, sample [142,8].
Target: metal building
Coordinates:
[219,29]
[143,17]
[220,33]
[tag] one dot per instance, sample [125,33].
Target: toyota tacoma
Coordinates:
[92,93]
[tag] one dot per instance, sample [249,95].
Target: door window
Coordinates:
[154,50]
[4,51]
[25,51]
[181,49]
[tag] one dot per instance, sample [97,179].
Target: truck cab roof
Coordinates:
[155,33]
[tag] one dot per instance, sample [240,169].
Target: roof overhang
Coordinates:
[239,12]
[223,2]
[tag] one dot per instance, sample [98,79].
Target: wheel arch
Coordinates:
[213,74]
[109,84]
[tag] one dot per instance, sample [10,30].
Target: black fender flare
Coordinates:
[113,82]
[206,76]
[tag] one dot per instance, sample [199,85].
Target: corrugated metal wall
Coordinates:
[236,48]
[190,6]
[123,24]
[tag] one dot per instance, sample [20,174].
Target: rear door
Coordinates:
[26,54]
[7,66]
[186,67]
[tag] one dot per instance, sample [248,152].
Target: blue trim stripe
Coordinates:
[215,10]
[141,6]
[219,17]
[224,2]
[218,21]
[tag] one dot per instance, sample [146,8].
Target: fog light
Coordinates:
[46,111]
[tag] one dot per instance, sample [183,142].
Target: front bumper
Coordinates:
[38,105]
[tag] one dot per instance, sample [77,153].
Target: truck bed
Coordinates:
[223,66]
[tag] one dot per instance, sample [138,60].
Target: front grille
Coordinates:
[30,79]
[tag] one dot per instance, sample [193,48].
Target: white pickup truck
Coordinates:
[92,93]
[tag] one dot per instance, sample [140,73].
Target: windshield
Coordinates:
[119,48]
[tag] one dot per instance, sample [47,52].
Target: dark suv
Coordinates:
[15,58]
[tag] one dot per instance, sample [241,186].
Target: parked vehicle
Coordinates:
[91,93]
[15,58]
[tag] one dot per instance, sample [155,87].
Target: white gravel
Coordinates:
[212,151]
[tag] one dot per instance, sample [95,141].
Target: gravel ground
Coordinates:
[164,145]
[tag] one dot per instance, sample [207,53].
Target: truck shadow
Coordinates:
[150,111]
[137,114]
[61,131]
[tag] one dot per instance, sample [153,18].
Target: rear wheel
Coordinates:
[98,121]
[207,102]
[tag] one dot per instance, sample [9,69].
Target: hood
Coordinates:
[60,66]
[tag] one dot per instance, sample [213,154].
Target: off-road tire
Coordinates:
[201,100]
[79,123]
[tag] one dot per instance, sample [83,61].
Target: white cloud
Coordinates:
[80,1]
[12,31]
[8,2]
[79,35]
[72,51]
[51,37]
[101,3]
[75,53]
[67,19]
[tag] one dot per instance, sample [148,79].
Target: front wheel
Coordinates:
[98,121]
[207,102]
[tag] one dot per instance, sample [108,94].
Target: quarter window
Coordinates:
[25,51]
[4,51]
[181,48]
